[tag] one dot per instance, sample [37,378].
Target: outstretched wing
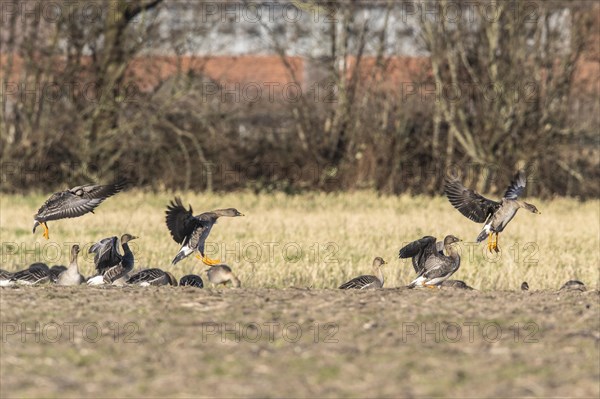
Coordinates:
[468,202]
[106,254]
[180,221]
[419,250]
[76,201]
[413,249]
[517,185]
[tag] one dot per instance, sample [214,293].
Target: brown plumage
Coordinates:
[110,264]
[437,267]
[5,277]
[573,285]
[420,250]
[367,281]
[222,274]
[191,280]
[73,202]
[459,284]
[495,215]
[154,277]
[71,275]
[192,231]
[37,273]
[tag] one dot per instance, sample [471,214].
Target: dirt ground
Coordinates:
[176,342]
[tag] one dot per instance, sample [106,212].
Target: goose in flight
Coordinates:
[73,202]
[192,231]
[495,215]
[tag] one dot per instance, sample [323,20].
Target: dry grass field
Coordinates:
[319,240]
[288,332]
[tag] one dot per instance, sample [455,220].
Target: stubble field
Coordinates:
[288,332]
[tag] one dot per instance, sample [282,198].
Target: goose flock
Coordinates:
[434,261]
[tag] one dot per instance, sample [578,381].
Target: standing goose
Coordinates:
[110,264]
[191,280]
[367,282]
[150,277]
[37,273]
[420,250]
[73,202]
[191,231]
[496,215]
[222,274]
[437,267]
[71,276]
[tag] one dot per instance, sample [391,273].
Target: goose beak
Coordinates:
[35,225]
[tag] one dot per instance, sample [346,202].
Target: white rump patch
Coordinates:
[419,281]
[97,280]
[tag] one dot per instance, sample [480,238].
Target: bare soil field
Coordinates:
[185,342]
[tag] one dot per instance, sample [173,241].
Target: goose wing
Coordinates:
[55,272]
[517,186]
[180,221]
[437,266]
[76,201]
[114,273]
[361,282]
[149,276]
[468,202]
[415,247]
[32,276]
[419,251]
[106,254]
[5,275]
[191,280]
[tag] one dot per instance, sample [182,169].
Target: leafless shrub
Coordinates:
[89,98]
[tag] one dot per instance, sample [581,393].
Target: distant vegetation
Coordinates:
[487,97]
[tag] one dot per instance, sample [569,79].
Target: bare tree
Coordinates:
[506,84]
